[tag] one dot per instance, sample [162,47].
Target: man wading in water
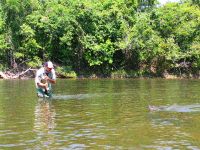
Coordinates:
[45,76]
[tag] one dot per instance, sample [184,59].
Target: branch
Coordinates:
[23,72]
[9,75]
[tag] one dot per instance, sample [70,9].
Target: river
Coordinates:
[101,114]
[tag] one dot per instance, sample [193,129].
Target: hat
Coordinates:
[49,64]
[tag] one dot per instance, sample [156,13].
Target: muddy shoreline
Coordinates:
[30,74]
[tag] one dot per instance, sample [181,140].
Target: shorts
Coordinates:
[44,94]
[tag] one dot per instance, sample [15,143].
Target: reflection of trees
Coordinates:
[44,122]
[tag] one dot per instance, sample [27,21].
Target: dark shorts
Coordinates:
[43,94]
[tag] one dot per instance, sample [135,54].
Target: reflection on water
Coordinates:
[176,108]
[81,96]
[169,132]
[76,96]
[44,115]
[44,123]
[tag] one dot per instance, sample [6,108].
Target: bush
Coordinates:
[65,72]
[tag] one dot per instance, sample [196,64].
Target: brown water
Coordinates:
[101,114]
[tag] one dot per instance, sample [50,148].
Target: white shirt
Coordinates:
[41,73]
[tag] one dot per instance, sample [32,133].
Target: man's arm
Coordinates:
[50,80]
[53,79]
[42,85]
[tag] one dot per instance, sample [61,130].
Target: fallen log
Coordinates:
[20,74]
[3,75]
[9,75]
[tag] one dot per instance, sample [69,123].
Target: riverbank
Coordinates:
[28,73]
[121,74]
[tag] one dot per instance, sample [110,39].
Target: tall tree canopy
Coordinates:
[100,35]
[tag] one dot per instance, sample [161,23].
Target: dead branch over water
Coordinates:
[18,75]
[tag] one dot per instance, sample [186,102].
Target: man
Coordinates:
[45,76]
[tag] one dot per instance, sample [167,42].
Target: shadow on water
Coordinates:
[176,108]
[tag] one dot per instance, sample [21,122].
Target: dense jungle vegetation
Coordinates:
[126,38]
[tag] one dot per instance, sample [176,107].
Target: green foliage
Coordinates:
[66,71]
[193,2]
[101,36]
[100,53]
[30,47]
[178,25]
[3,43]
[35,62]
[119,74]
[14,13]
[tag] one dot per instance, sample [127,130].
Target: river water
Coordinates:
[101,114]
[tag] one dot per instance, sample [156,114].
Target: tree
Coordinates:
[14,13]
